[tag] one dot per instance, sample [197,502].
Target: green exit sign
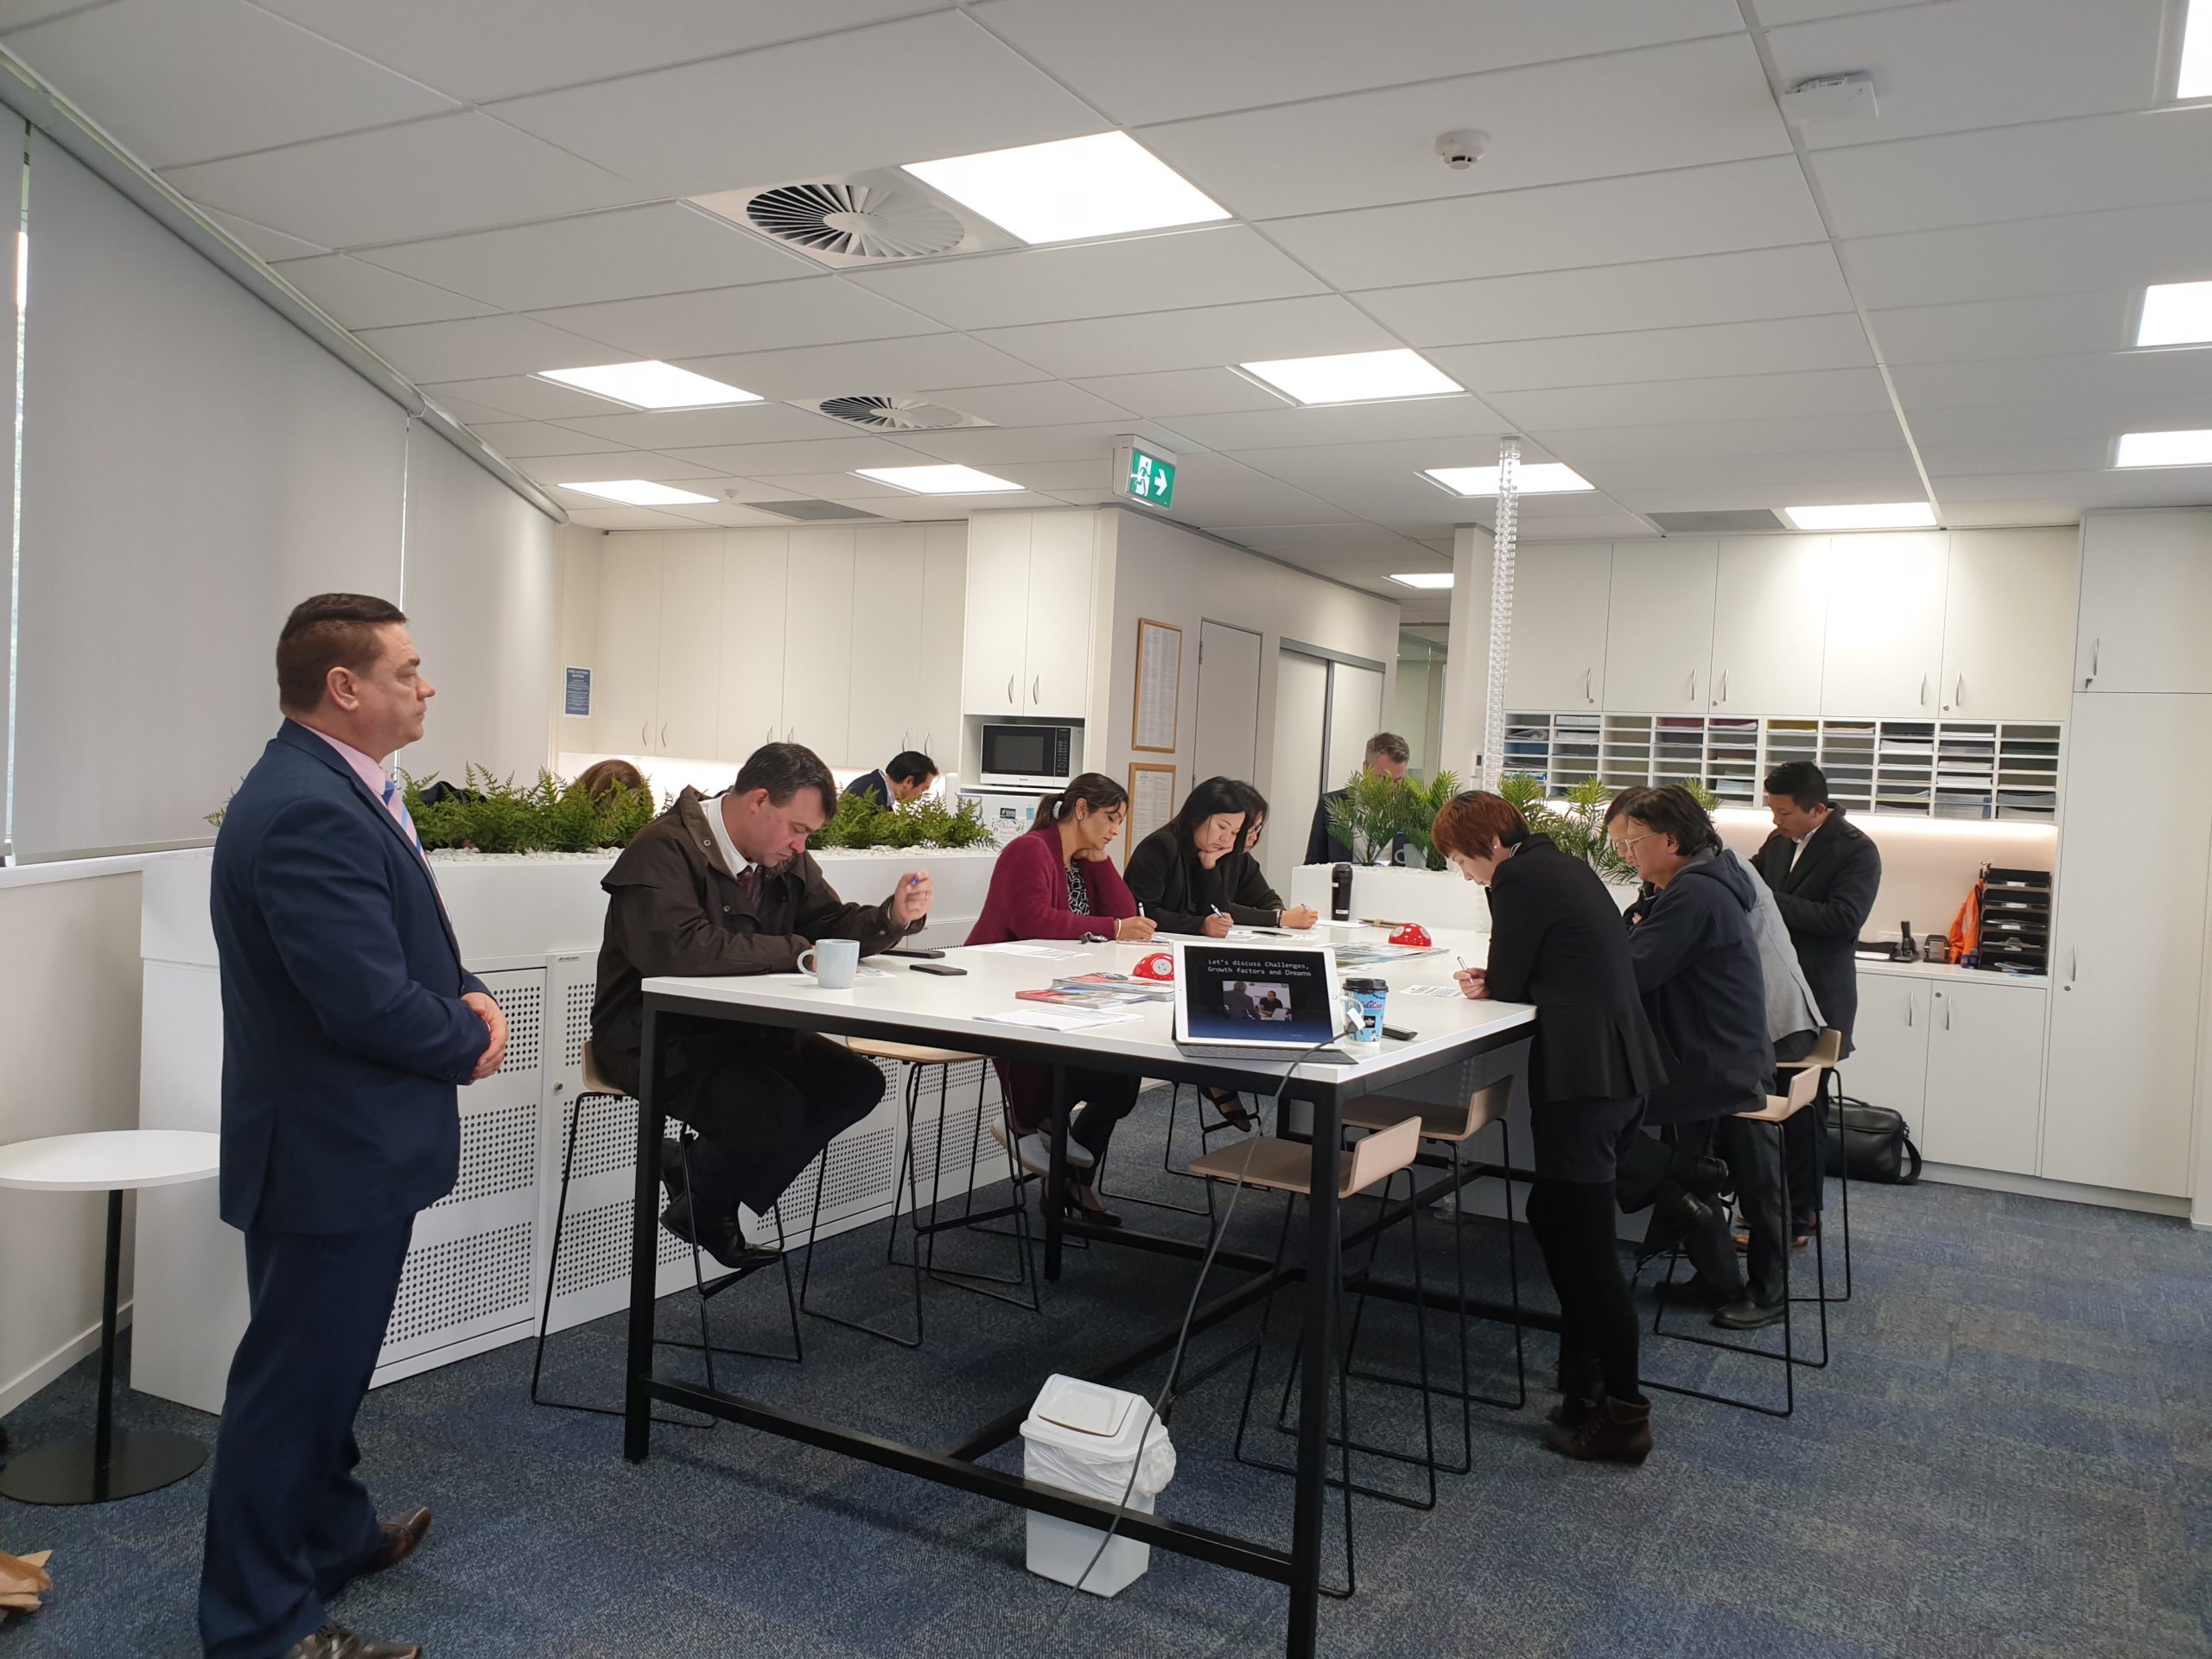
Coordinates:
[1145,475]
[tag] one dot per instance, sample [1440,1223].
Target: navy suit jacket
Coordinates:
[344,1034]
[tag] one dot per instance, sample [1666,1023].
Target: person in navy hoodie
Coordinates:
[348,1024]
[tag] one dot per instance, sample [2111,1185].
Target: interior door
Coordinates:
[1295,777]
[1228,743]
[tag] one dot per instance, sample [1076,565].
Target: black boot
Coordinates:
[1616,1431]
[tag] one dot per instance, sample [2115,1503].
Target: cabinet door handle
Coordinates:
[1924,691]
[1693,685]
[1724,685]
[2073,962]
[2095,646]
[1908,1010]
[645,735]
[1009,688]
[1586,673]
[1959,693]
[664,734]
[1946,1001]
[1037,690]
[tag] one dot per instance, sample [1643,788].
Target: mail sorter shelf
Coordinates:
[2015,920]
[1973,770]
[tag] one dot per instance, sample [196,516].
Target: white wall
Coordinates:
[1466,677]
[1158,570]
[576,633]
[69,995]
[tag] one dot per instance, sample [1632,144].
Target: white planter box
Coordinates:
[1433,897]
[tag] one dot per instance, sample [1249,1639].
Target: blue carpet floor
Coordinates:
[2009,1456]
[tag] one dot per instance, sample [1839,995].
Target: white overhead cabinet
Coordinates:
[628,689]
[1769,624]
[818,642]
[1562,598]
[659,659]
[2008,623]
[889,573]
[755,572]
[2127,942]
[687,719]
[1885,652]
[1659,635]
[945,592]
[2146,589]
[1030,605]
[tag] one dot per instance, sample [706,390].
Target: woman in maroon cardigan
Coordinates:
[1058,882]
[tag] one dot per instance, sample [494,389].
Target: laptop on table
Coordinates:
[1260,1001]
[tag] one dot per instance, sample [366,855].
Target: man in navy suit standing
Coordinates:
[348,1024]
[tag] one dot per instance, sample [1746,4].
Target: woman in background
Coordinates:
[1556,941]
[1058,882]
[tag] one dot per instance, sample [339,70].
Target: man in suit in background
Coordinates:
[723,884]
[348,1024]
[1388,756]
[910,774]
[1824,873]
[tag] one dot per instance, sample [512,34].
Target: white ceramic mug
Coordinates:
[832,963]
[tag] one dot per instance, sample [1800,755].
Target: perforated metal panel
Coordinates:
[522,999]
[861,1164]
[499,1154]
[595,1249]
[576,1025]
[447,1286]
[606,1136]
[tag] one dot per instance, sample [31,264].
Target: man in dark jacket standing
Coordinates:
[1825,874]
[348,1023]
[725,885]
[1387,755]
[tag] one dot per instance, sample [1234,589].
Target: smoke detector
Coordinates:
[888,414]
[859,219]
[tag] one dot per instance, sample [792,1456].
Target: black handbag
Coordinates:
[1870,1144]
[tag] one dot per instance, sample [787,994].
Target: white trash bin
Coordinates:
[1083,1437]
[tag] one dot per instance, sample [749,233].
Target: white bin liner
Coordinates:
[1087,1439]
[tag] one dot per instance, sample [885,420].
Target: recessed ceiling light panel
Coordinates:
[649,385]
[938,480]
[1535,477]
[1863,515]
[1354,377]
[1107,184]
[639,493]
[2164,450]
[1430,579]
[2175,314]
[2196,52]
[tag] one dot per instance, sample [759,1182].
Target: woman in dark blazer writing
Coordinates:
[1058,882]
[1556,940]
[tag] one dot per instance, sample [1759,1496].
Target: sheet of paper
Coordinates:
[1152,800]
[1160,671]
[1044,1017]
[1041,952]
[1452,991]
[1246,935]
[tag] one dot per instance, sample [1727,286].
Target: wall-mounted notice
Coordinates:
[578,700]
[1152,801]
[1159,685]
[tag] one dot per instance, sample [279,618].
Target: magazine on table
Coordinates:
[1128,985]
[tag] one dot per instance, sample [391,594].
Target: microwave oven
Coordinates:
[1029,754]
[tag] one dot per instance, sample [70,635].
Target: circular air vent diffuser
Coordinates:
[891,413]
[855,220]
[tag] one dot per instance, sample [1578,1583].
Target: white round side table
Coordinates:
[113,1464]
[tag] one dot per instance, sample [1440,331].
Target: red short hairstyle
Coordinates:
[1473,821]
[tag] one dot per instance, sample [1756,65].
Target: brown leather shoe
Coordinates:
[1617,1432]
[402,1538]
[335,1642]
[1571,1411]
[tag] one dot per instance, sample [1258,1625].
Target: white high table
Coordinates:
[944,1012]
[113,1161]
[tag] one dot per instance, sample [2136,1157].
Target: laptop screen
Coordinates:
[1248,993]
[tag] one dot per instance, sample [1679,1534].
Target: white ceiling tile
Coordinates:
[476,347]
[259,241]
[1209,337]
[184,82]
[1214,489]
[987,446]
[2127,247]
[1285,425]
[764,460]
[618,463]
[2070,453]
[20,14]
[1772,346]
[1040,403]
[1744,396]
[519,396]
[870,368]
[2024,421]
[1156,60]
[1990,515]
[2026,172]
[1054,475]
[732,515]
[2085,378]
[1980,63]
[1630,481]
[1214,266]
[1756,204]
[363,296]
[1182,391]
[2147,486]
[497,48]
[690,429]
[1774,13]
[812,311]
[908,91]
[1904,485]
[1610,526]
[666,248]
[2043,325]
[1339,470]
[1799,435]
[452,173]
[837,487]
[609,517]
[1802,280]
[527,440]
[1339,543]
[1667,106]
[466,410]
